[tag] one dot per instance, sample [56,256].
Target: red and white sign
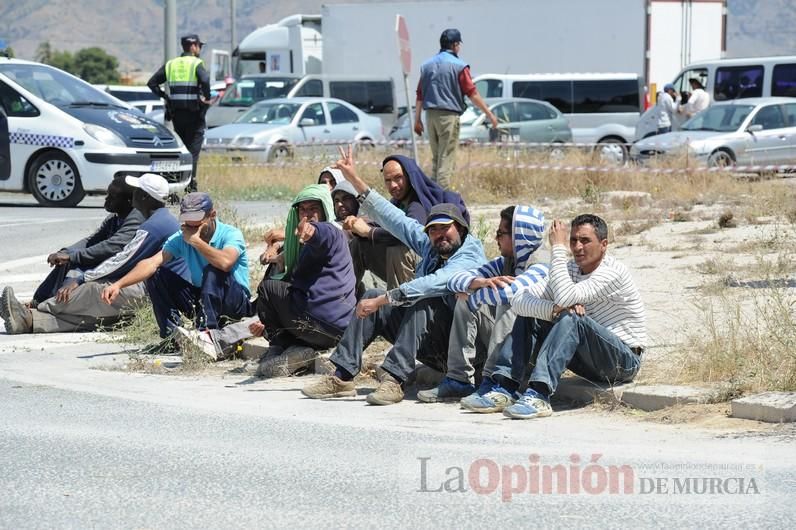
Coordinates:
[403,44]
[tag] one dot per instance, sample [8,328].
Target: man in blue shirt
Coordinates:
[218,270]
[416,316]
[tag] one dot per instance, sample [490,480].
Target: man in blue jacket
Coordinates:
[416,316]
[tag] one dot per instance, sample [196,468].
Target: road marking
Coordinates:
[22,262]
[47,221]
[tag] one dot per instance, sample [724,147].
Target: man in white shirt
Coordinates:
[666,109]
[589,319]
[698,100]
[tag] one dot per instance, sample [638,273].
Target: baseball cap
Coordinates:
[193,38]
[668,86]
[450,36]
[154,185]
[444,214]
[195,206]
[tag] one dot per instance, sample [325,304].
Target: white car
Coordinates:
[278,128]
[68,138]
[749,131]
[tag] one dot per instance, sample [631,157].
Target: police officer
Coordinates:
[188,96]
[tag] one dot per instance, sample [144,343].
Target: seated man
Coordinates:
[112,235]
[79,308]
[312,301]
[218,271]
[375,248]
[483,316]
[598,325]
[416,316]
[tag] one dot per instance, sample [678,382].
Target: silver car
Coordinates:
[750,131]
[277,128]
[519,120]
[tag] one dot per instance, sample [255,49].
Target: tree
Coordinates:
[95,65]
[62,60]
[44,53]
[8,51]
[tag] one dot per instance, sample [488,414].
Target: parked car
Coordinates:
[275,128]
[520,120]
[69,138]
[139,97]
[751,131]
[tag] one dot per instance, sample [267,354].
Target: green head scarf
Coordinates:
[313,192]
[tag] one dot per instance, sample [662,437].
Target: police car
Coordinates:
[68,139]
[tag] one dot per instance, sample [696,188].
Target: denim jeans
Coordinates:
[417,332]
[514,358]
[582,345]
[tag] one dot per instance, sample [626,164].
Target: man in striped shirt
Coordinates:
[589,318]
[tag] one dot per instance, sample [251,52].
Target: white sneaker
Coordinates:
[199,340]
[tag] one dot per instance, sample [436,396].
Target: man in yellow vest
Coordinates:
[188,96]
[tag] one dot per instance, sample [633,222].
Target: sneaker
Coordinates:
[201,340]
[388,392]
[329,386]
[17,317]
[494,399]
[448,390]
[531,404]
[289,362]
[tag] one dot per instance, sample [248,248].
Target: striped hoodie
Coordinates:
[609,295]
[527,229]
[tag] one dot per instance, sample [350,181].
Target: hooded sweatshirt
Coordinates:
[322,275]
[527,229]
[336,174]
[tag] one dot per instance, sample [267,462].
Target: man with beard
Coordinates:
[215,254]
[416,316]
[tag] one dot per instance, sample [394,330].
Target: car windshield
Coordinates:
[246,92]
[470,115]
[56,87]
[270,113]
[719,118]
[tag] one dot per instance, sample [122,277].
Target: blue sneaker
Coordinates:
[447,390]
[531,404]
[495,398]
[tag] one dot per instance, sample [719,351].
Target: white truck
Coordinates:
[652,38]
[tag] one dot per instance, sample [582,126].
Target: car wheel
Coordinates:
[611,151]
[557,153]
[280,153]
[54,181]
[721,159]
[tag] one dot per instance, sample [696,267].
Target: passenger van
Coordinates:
[601,108]
[375,96]
[69,139]
[726,79]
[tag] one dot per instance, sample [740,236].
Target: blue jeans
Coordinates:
[417,332]
[220,299]
[585,347]
[54,281]
[519,352]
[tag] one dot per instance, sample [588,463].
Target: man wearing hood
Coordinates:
[483,314]
[376,249]
[416,316]
[312,301]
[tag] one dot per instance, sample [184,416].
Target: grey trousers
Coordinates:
[476,339]
[394,264]
[84,310]
[443,136]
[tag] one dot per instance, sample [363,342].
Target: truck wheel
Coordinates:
[611,151]
[53,180]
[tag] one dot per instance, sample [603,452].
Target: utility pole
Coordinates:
[170,27]
[232,37]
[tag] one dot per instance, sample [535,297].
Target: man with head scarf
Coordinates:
[416,316]
[312,300]
[375,248]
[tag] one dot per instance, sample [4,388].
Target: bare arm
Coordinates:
[476,98]
[142,271]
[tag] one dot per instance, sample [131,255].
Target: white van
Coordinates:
[374,96]
[726,79]
[601,108]
[69,139]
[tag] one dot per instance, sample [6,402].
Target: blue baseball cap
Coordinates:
[195,206]
[668,86]
[449,37]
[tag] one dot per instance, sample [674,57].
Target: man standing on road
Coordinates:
[188,96]
[444,81]
[665,105]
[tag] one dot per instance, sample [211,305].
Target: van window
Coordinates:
[373,97]
[605,96]
[733,82]
[557,93]
[340,114]
[490,88]
[783,80]
[681,83]
[311,89]
[16,106]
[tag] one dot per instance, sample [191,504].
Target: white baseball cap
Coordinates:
[154,185]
